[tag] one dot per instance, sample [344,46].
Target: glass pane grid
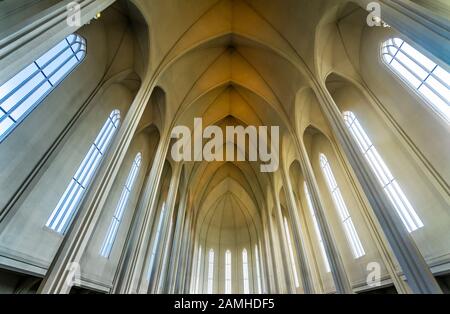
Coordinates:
[349,228]
[26,90]
[316,228]
[395,194]
[210,271]
[426,77]
[64,212]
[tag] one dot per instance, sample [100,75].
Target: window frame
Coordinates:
[122,205]
[346,221]
[63,214]
[228,272]
[39,70]
[414,92]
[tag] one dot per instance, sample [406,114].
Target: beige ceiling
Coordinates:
[239,62]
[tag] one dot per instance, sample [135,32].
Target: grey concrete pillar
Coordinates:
[340,278]
[308,285]
[418,274]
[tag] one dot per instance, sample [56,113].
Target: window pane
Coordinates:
[117,217]
[394,192]
[62,215]
[228,272]
[316,228]
[23,92]
[210,271]
[349,229]
[420,73]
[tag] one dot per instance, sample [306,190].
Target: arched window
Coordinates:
[210,271]
[245,275]
[199,265]
[291,252]
[349,228]
[156,241]
[228,272]
[258,269]
[64,212]
[316,229]
[23,92]
[384,175]
[423,75]
[114,227]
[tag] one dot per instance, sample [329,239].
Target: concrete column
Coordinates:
[180,275]
[163,255]
[59,279]
[175,255]
[132,273]
[299,241]
[267,259]
[278,272]
[341,280]
[290,284]
[416,270]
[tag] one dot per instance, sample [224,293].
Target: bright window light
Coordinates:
[245,275]
[228,272]
[316,229]
[349,228]
[64,212]
[210,271]
[395,194]
[26,90]
[422,74]
[123,201]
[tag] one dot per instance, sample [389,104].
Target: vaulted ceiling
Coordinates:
[239,62]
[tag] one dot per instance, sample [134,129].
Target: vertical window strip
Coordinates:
[258,269]
[426,77]
[395,194]
[64,212]
[316,229]
[210,271]
[156,243]
[245,275]
[349,228]
[199,264]
[117,217]
[291,252]
[26,90]
[228,272]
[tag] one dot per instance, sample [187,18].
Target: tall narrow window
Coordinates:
[291,252]
[423,75]
[245,275]
[199,265]
[123,201]
[210,271]
[228,272]
[395,194]
[258,270]
[349,228]
[23,92]
[64,212]
[156,241]
[316,228]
